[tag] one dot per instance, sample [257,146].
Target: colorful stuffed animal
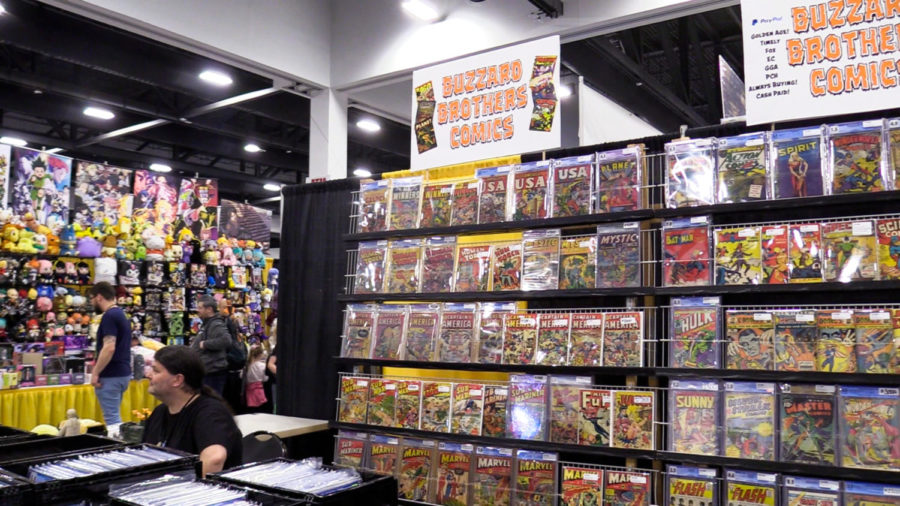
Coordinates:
[88,247]
[68,241]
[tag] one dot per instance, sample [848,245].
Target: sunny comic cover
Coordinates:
[619,175]
[742,168]
[808,429]
[694,332]
[492,477]
[696,486]
[686,251]
[750,420]
[690,173]
[619,255]
[578,262]
[565,393]
[573,186]
[694,417]
[749,340]
[526,415]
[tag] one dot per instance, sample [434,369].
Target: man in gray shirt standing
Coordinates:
[212,342]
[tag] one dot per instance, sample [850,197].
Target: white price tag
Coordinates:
[829,485]
[806,318]
[501,391]
[637,478]
[880,316]
[629,320]
[413,387]
[444,389]
[862,228]
[590,477]
[762,317]
[472,186]
[467,447]
[809,228]
[812,131]
[630,225]
[699,219]
[595,321]
[362,383]
[390,386]
[560,323]
[774,232]
[747,232]
[475,393]
[844,315]
[708,473]
[872,123]
[446,190]
[825,389]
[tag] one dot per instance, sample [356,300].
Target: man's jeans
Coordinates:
[110,396]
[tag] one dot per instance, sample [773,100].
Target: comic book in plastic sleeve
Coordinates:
[868,418]
[492,476]
[619,255]
[389,326]
[632,420]
[795,340]
[424,124]
[438,259]
[594,414]
[807,423]
[406,195]
[694,417]
[577,262]
[421,332]
[694,332]
[586,340]
[748,340]
[749,420]
[535,478]
[519,338]
[858,493]
[354,396]
[493,186]
[837,341]
[749,488]
[350,448]
[874,341]
[490,331]
[895,319]
[690,173]
[468,404]
[465,203]
[804,491]
[553,339]
[691,485]
[506,266]
[496,400]
[436,397]
[374,202]
[626,488]
[742,170]
[454,469]
[526,415]
[623,339]
[892,136]
[408,404]
[382,401]
[403,261]
[456,338]
[775,257]
[359,323]
[738,256]
[370,264]
[540,259]
[473,267]
[850,251]
[888,230]
[797,156]
[415,472]
[437,204]
[383,454]
[855,153]
[565,394]
[619,180]
[686,252]
[531,191]
[581,485]
[805,250]
[573,186]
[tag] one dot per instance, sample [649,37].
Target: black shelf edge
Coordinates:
[498,296]
[513,368]
[831,378]
[854,286]
[794,203]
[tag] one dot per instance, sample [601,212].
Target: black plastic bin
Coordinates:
[258,496]
[14,491]
[12,435]
[48,448]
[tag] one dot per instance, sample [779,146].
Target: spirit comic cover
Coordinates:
[421,332]
[795,340]
[389,333]
[619,180]
[623,339]
[506,266]
[686,247]
[856,165]
[874,341]
[359,322]
[374,200]
[808,432]
[691,486]
[749,338]
[738,256]
[586,338]
[837,341]
[403,261]
[573,186]
[456,339]
[694,417]
[694,333]
[415,472]
[438,258]
[857,493]
[519,338]
[850,251]
[565,395]
[632,420]
[351,449]
[437,205]
[742,168]
[370,267]
[746,488]
[581,485]
[619,255]
[623,488]
[354,394]
[384,452]
[540,259]
[408,404]
[465,203]
[490,331]
[797,156]
[526,416]
[594,414]
[750,420]
[492,477]
[492,194]
[496,398]
[805,249]
[690,173]
[775,258]
[382,398]
[405,196]
[553,339]
[868,421]
[893,136]
[435,406]
[531,191]
[535,478]
[453,469]
[473,267]
[888,230]
[802,491]
[577,262]
[468,403]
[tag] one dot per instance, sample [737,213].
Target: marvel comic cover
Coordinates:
[837,341]
[694,486]
[856,165]
[565,397]
[795,340]
[382,398]
[384,452]
[742,168]
[581,485]
[496,398]
[623,488]
[506,266]
[101,191]
[531,191]
[437,205]
[415,472]
[749,337]
[354,395]
[738,256]
[874,341]
[577,262]
[435,406]
[405,196]
[540,259]
[594,414]
[586,339]
[553,339]
[868,420]
[492,476]
[686,247]
[857,493]
[797,163]
[388,338]
[888,230]
[465,203]
[490,331]
[775,259]
[421,332]
[535,478]
[805,249]
[747,488]
[893,136]
[802,491]
[632,420]
[694,333]
[526,415]
[573,186]
[619,255]
[750,420]
[438,258]
[493,185]
[468,403]
[359,322]
[370,267]
[808,433]
[403,259]
[694,417]
[408,404]
[456,339]
[619,180]
[623,339]
[473,267]
[519,338]
[351,449]
[453,468]
[690,173]
[850,251]
[374,200]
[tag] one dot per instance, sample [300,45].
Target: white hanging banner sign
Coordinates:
[807,58]
[493,104]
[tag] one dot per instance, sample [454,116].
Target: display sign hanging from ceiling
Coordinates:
[805,59]
[493,104]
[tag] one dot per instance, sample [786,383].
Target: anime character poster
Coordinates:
[198,208]
[245,221]
[101,191]
[5,157]
[155,198]
[41,187]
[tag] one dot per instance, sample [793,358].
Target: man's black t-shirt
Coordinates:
[202,423]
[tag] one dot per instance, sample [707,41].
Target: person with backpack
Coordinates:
[213,343]
[237,359]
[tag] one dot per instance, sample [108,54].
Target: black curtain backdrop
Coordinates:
[312,267]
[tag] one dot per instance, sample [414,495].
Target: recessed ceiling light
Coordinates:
[215,77]
[38,92]
[96,112]
[160,167]
[13,141]
[54,151]
[361,172]
[272,187]
[421,10]
[369,125]
[252,148]
[564,91]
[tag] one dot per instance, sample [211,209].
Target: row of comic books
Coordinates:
[848,426]
[559,409]
[843,250]
[494,333]
[855,157]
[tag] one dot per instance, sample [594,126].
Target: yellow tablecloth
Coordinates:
[28,407]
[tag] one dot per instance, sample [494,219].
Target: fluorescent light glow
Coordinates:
[2,10]
[96,112]
[369,125]
[215,77]
[13,141]
[252,148]
[564,91]
[361,172]
[272,187]
[421,10]
[54,151]
[160,167]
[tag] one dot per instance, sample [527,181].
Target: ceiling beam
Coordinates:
[706,77]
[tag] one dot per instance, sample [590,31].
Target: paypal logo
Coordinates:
[764,21]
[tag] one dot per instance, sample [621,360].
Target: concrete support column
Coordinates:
[328,135]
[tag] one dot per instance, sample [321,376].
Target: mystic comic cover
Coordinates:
[738,256]
[506,266]
[370,267]
[586,340]
[690,173]
[421,332]
[581,485]
[382,398]
[496,398]
[805,250]
[435,406]
[468,403]
[573,186]
[694,417]
[351,449]
[526,416]
[553,339]
[750,420]
[808,434]
[797,163]
[490,331]
[437,205]
[694,333]
[686,247]
[531,191]
[802,491]
[742,168]
[354,394]
[623,339]
[540,259]
[749,338]
[594,414]
[374,199]
[775,258]
[577,262]
[856,165]
[745,488]
[694,486]
[403,261]
[465,203]
[101,191]
[438,258]
[874,341]
[837,341]
[565,393]
[795,340]
[535,478]
[868,419]
[619,255]
[359,322]
[473,267]
[415,472]
[632,420]
[408,404]
[519,338]
[384,452]
[456,339]
[625,488]
[388,338]
[850,251]
[492,477]
[619,180]
[454,465]
[492,194]
[888,230]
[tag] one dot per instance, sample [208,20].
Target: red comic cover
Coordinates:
[354,393]
[586,339]
[535,479]
[506,266]
[888,230]
[623,339]
[775,258]
[520,338]
[383,454]
[408,404]
[492,478]
[593,417]
[437,199]
[496,398]
[388,335]
[468,404]
[438,258]
[473,262]
[351,449]
[456,339]
[382,399]
[686,254]
[454,468]
[632,420]
[465,203]
[805,249]
[553,339]
[436,406]
[572,186]
[623,488]
[581,485]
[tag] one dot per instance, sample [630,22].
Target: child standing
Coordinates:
[254,377]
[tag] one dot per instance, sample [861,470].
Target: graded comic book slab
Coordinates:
[855,155]
[626,488]
[468,404]
[565,395]
[408,404]
[749,337]
[382,401]
[797,156]
[351,449]
[388,339]
[632,420]
[456,339]
[742,168]
[354,394]
[888,230]
[496,399]
[619,180]
[473,267]
[374,202]
[530,198]
[383,455]
[594,414]
[437,205]
[540,259]
[690,173]
[750,420]
[805,250]
[492,476]
[526,416]
[694,333]
[405,196]
[438,259]
[416,469]
[874,341]
[695,486]
[490,331]
[619,255]
[837,341]
[694,417]
[519,338]
[454,467]
[868,418]
[421,332]
[403,261]
[623,339]
[553,339]
[436,400]
[573,186]
[581,485]
[686,252]
[493,185]
[803,491]
[586,338]
[850,251]
[370,264]
[795,340]
[506,266]
[578,262]
[745,488]
[465,203]
[738,256]
[535,478]
[359,324]
[858,493]
[808,430]
[775,258]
